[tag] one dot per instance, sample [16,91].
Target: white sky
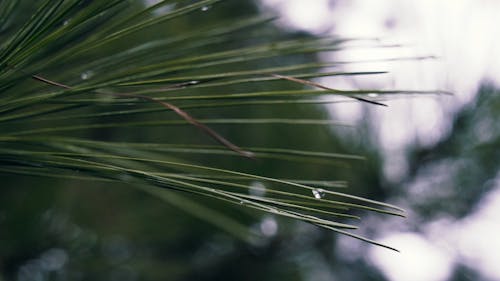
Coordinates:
[465,36]
[472,241]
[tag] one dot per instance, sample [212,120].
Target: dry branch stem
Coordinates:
[317,85]
[167,105]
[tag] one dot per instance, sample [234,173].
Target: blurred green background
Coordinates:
[59,229]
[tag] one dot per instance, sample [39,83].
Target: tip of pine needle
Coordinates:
[248,154]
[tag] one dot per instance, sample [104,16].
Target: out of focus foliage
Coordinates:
[447,181]
[464,164]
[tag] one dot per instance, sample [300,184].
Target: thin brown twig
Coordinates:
[317,85]
[50,82]
[167,105]
[195,122]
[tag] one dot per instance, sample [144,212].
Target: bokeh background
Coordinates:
[437,156]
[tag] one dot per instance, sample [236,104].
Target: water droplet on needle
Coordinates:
[86,75]
[318,193]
